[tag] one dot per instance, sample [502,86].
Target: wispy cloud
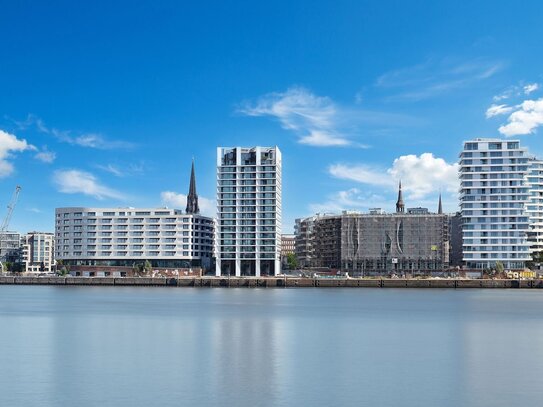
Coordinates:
[81,182]
[312,117]
[420,175]
[496,110]
[122,171]
[526,118]
[351,199]
[436,77]
[10,144]
[531,87]
[516,91]
[179,201]
[45,155]
[89,140]
[319,121]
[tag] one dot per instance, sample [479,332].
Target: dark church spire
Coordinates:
[399,205]
[439,206]
[192,197]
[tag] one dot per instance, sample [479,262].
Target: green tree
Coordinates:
[292,261]
[147,267]
[499,267]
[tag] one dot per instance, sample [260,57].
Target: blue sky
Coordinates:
[105,103]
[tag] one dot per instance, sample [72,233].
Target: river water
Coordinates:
[136,346]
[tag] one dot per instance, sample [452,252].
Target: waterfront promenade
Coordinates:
[273,282]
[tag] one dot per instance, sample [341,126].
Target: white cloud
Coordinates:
[323,139]
[495,110]
[531,87]
[179,201]
[425,174]
[515,91]
[314,118]
[420,175]
[8,145]
[45,155]
[525,120]
[81,182]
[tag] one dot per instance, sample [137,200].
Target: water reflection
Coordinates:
[127,346]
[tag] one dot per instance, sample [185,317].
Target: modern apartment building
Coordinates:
[534,207]
[494,193]
[115,240]
[38,252]
[248,211]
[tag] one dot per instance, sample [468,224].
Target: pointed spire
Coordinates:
[192,197]
[439,206]
[399,205]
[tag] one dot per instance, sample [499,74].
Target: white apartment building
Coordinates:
[38,252]
[494,193]
[248,211]
[122,237]
[535,205]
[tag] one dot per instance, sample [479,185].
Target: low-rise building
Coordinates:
[10,247]
[287,247]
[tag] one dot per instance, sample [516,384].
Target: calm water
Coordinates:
[110,346]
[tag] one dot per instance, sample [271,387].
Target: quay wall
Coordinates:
[270,282]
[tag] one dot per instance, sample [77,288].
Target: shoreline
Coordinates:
[272,282]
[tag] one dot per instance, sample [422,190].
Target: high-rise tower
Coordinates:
[494,192]
[248,211]
[192,197]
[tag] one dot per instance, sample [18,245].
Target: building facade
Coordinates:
[381,244]
[38,253]
[494,192]
[303,243]
[114,241]
[288,245]
[455,230]
[534,206]
[10,247]
[248,211]
[413,241]
[121,238]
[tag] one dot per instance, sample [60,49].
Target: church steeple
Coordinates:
[439,206]
[399,205]
[192,197]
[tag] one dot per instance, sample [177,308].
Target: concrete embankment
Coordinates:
[270,282]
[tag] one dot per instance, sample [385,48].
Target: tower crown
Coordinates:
[192,197]
[400,208]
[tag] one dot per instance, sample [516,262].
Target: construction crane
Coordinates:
[5,223]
